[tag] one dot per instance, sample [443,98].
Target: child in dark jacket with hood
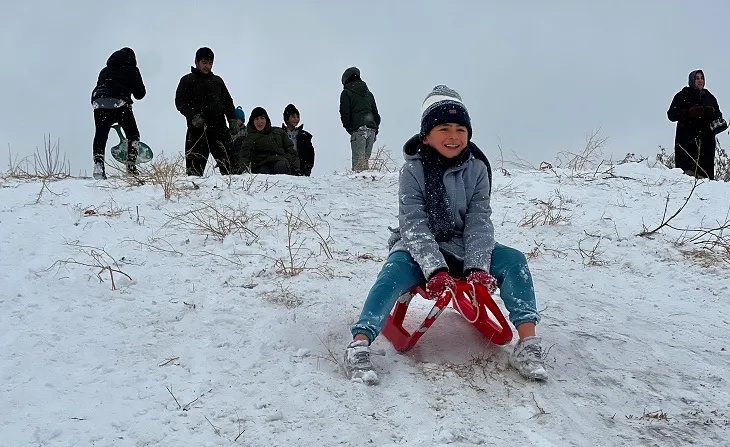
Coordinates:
[446,232]
[266,149]
[112,103]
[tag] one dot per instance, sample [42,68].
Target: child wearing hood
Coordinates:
[266,149]
[112,103]
[445,232]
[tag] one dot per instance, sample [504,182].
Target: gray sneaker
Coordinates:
[357,363]
[99,173]
[527,359]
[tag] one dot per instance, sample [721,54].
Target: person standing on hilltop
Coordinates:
[112,101]
[359,116]
[203,99]
[698,118]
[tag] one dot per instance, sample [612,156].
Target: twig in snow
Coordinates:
[216,430]
[168,361]
[187,406]
[169,390]
[540,409]
[665,220]
[240,430]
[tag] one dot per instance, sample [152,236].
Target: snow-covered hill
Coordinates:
[231,304]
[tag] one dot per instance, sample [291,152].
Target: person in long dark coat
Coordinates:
[698,118]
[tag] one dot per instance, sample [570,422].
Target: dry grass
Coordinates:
[283,296]
[164,172]
[658,415]
[300,227]
[382,161]
[219,221]
[47,164]
[551,211]
[477,372]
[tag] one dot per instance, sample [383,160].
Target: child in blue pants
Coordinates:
[444,232]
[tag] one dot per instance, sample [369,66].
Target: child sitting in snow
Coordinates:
[446,232]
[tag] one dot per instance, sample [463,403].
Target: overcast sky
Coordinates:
[536,75]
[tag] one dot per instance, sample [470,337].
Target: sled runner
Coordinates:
[474,304]
[119,152]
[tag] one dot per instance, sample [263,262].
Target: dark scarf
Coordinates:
[438,206]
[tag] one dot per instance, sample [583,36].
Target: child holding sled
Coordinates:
[445,231]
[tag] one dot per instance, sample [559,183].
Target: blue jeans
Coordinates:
[400,274]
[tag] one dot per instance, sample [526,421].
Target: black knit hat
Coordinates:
[204,53]
[443,105]
[290,110]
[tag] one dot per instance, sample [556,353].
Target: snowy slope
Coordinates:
[211,342]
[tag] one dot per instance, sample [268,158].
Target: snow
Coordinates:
[213,342]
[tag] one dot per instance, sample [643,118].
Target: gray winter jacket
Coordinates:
[468,189]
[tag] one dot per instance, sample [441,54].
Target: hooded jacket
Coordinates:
[120,79]
[268,145]
[357,103]
[468,187]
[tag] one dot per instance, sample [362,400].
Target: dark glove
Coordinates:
[197,121]
[696,111]
[483,278]
[233,127]
[709,110]
[439,283]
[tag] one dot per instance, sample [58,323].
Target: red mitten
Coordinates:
[483,278]
[438,284]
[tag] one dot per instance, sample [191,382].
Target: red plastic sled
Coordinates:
[496,329]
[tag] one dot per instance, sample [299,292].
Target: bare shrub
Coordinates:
[665,220]
[590,156]
[551,212]
[164,172]
[590,256]
[299,229]
[332,354]
[46,164]
[722,164]
[219,221]
[97,258]
[44,187]
[665,158]
[705,245]
[382,161]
